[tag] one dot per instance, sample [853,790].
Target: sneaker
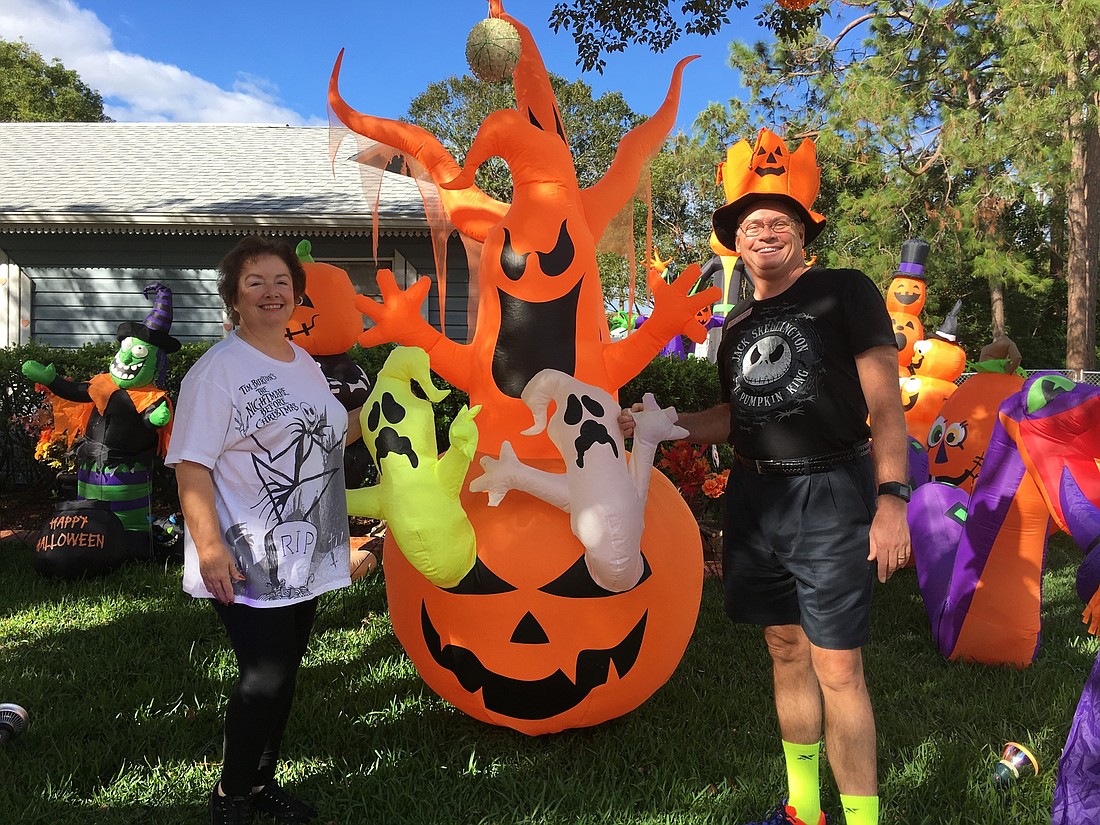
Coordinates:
[784,814]
[229,810]
[277,803]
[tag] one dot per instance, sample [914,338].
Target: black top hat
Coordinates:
[914,253]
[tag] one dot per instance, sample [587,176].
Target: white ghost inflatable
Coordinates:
[603,492]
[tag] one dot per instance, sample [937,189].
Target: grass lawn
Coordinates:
[125,680]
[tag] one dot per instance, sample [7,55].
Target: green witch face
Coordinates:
[135,363]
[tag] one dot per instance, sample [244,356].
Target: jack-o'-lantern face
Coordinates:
[704,315]
[326,322]
[938,358]
[771,155]
[906,295]
[959,436]
[907,331]
[538,299]
[528,639]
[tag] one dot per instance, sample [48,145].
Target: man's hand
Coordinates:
[889,536]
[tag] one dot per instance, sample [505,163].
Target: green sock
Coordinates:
[803,784]
[860,810]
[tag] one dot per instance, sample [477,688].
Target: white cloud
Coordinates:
[135,88]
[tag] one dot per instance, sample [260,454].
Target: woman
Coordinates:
[258,453]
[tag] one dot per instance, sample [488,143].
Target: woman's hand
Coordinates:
[218,571]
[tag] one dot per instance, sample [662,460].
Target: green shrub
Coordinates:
[688,384]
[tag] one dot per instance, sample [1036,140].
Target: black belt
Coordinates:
[805,465]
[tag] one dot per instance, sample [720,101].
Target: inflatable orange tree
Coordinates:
[528,638]
[541,302]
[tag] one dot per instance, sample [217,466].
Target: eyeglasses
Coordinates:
[752,229]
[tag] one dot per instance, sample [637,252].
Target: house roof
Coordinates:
[193,178]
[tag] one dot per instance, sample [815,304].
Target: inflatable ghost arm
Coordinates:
[456,461]
[509,473]
[365,502]
[652,425]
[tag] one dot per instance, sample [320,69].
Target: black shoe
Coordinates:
[275,802]
[229,810]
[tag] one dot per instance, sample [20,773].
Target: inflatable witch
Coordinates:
[122,421]
[529,636]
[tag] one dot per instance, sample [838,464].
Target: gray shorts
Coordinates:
[796,551]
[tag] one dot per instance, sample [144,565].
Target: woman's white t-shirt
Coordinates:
[272,435]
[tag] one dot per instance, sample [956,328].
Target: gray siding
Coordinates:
[77,306]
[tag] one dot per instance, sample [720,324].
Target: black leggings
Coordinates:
[269,644]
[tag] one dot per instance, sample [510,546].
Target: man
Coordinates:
[810,514]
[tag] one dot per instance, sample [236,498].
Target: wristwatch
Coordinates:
[895,488]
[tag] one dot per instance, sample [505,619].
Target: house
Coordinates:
[91,213]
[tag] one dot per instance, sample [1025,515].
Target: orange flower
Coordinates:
[688,468]
[715,485]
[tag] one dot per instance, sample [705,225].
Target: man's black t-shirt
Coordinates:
[787,365]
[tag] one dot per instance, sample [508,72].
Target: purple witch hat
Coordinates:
[154,330]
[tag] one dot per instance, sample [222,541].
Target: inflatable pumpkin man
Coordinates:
[905,299]
[124,420]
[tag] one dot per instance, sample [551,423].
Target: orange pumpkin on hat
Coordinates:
[767,171]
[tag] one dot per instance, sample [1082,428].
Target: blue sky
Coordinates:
[252,61]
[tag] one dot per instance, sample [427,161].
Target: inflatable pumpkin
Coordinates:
[921,400]
[326,325]
[959,435]
[326,322]
[907,331]
[940,356]
[528,640]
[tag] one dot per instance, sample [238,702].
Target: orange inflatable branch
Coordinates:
[603,199]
